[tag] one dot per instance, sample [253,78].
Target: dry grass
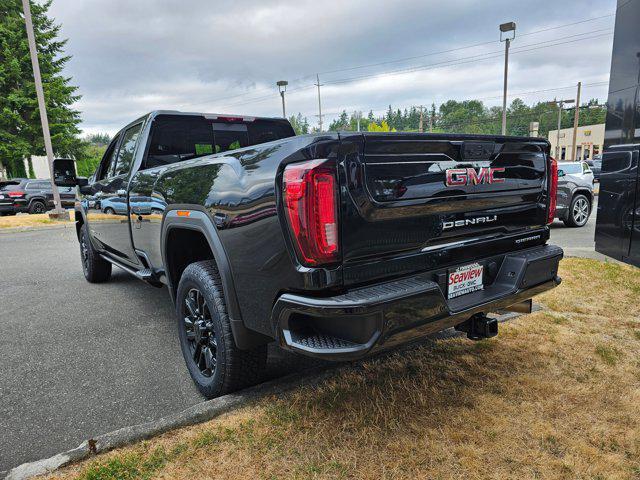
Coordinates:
[43,220]
[36,220]
[556,395]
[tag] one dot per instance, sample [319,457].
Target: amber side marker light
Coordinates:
[184,213]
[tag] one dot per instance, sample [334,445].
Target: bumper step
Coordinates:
[350,325]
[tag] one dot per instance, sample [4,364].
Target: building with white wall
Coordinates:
[40,166]
[589,142]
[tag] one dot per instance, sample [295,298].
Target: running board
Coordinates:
[148,275]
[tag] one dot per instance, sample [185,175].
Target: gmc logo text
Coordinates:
[457,177]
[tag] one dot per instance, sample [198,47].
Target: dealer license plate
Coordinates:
[465,279]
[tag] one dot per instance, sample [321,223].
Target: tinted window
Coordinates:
[127,149]
[177,138]
[616,162]
[108,161]
[570,168]
[8,185]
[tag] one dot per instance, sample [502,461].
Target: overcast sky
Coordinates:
[130,57]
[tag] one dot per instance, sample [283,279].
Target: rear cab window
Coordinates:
[175,138]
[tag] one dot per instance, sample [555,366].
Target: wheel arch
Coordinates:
[79,220]
[198,226]
[583,191]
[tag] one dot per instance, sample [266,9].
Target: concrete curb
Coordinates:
[199,413]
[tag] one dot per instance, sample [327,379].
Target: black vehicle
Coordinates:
[618,221]
[335,245]
[32,196]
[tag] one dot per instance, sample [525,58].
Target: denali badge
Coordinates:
[457,177]
[469,221]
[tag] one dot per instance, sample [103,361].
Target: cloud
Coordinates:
[133,57]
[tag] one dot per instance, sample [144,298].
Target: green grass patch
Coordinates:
[128,467]
[609,355]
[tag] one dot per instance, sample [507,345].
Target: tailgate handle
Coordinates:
[478,150]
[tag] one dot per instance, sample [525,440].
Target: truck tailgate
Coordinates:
[417,194]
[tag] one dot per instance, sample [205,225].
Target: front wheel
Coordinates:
[579,212]
[216,364]
[95,268]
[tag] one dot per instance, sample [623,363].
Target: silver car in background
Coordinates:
[575,193]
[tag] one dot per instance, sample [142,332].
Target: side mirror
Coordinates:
[64,173]
[561,173]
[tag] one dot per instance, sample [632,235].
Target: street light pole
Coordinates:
[560,104]
[318,84]
[58,211]
[505,28]
[282,87]
[576,120]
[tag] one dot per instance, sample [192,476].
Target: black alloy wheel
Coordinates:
[199,332]
[37,207]
[215,363]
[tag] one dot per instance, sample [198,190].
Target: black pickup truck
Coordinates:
[335,245]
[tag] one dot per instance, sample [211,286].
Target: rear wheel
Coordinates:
[37,207]
[579,212]
[215,363]
[95,268]
[109,211]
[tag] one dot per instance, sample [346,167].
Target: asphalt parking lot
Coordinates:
[79,360]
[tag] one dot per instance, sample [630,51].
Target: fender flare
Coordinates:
[200,221]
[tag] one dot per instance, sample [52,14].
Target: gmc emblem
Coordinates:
[457,177]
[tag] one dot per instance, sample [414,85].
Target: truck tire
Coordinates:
[96,269]
[216,364]
[37,206]
[579,211]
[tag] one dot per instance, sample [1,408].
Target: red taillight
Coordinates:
[16,194]
[310,193]
[553,189]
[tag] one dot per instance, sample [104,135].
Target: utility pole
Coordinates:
[282,87]
[58,212]
[358,117]
[504,28]
[319,102]
[421,119]
[576,119]
[560,104]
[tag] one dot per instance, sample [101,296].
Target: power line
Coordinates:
[471,59]
[388,62]
[465,47]
[462,61]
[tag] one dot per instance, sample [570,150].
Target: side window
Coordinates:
[585,168]
[108,161]
[127,149]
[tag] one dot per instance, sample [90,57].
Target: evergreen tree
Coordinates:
[299,123]
[20,128]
